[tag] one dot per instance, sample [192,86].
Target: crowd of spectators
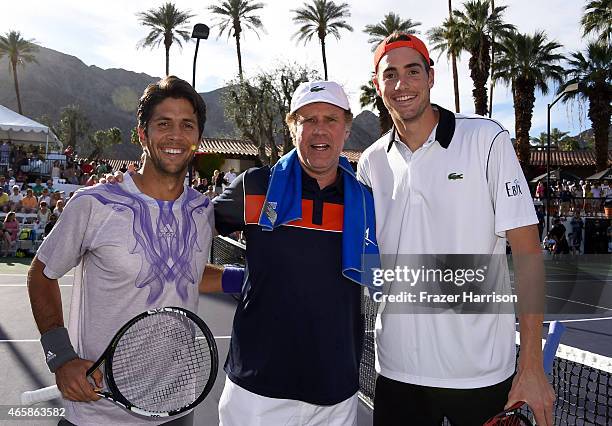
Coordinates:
[567,197]
[217,183]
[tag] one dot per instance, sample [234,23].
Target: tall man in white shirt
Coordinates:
[446,183]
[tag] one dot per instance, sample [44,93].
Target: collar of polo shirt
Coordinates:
[444,132]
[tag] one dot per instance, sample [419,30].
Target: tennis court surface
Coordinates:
[581,371]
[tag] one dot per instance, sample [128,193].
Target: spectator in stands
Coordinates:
[4,184]
[59,208]
[10,231]
[211,192]
[50,186]
[202,185]
[15,198]
[75,177]
[219,181]
[540,215]
[38,188]
[86,168]
[132,168]
[230,176]
[4,200]
[577,225]
[566,199]
[55,170]
[605,189]
[123,168]
[43,214]
[540,191]
[5,154]
[101,170]
[29,203]
[557,233]
[596,191]
[45,196]
[55,197]
[588,198]
[49,226]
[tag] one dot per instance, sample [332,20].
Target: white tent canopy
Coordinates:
[19,129]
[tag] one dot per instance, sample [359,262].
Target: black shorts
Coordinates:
[400,404]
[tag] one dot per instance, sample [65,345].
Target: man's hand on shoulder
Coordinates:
[71,379]
[116,177]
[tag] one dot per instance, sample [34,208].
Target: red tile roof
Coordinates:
[242,147]
[566,158]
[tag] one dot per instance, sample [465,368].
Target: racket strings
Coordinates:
[162,363]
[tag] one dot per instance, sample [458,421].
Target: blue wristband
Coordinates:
[231,279]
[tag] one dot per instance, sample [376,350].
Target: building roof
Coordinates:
[246,148]
[579,158]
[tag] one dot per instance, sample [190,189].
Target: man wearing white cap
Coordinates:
[433,366]
[297,333]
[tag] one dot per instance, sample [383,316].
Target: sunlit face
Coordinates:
[172,136]
[320,133]
[404,84]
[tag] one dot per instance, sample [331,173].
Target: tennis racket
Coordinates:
[161,363]
[513,415]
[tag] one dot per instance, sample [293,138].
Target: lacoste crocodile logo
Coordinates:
[317,89]
[455,176]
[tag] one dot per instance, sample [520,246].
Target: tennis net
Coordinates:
[581,380]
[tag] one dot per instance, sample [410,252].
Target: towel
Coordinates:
[283,204]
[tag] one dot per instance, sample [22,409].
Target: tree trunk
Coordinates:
[599,114]
[479,64]
[524,99]
[167,44]
[239,55]
[14,65]
[454,64]
[492,63]
[324,57]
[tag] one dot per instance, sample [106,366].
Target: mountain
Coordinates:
[109,98]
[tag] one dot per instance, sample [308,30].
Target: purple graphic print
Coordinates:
[167,248]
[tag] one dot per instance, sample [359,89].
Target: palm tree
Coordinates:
[592,71]
[321,17]
[167,25]
[390,23]
[370,97]
[19,52]
[476,26]
[557,138]
[598,19]
[526,63]
[378,32]
[233,15]
[446,38]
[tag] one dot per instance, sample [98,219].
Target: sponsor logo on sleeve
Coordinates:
[513,189]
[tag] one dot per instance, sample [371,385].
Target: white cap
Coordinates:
[319,91]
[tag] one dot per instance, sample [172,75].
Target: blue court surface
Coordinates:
[22,366]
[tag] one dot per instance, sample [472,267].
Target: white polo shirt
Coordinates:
[456,194]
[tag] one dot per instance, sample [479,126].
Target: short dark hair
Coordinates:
[169,87]
[399,36]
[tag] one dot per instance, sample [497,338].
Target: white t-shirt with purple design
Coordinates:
[132,253]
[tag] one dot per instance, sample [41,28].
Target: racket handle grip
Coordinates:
[555,331]
[40,395]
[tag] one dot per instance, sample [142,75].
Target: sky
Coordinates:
[106,34]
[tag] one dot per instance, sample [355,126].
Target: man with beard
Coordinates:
[139,245]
